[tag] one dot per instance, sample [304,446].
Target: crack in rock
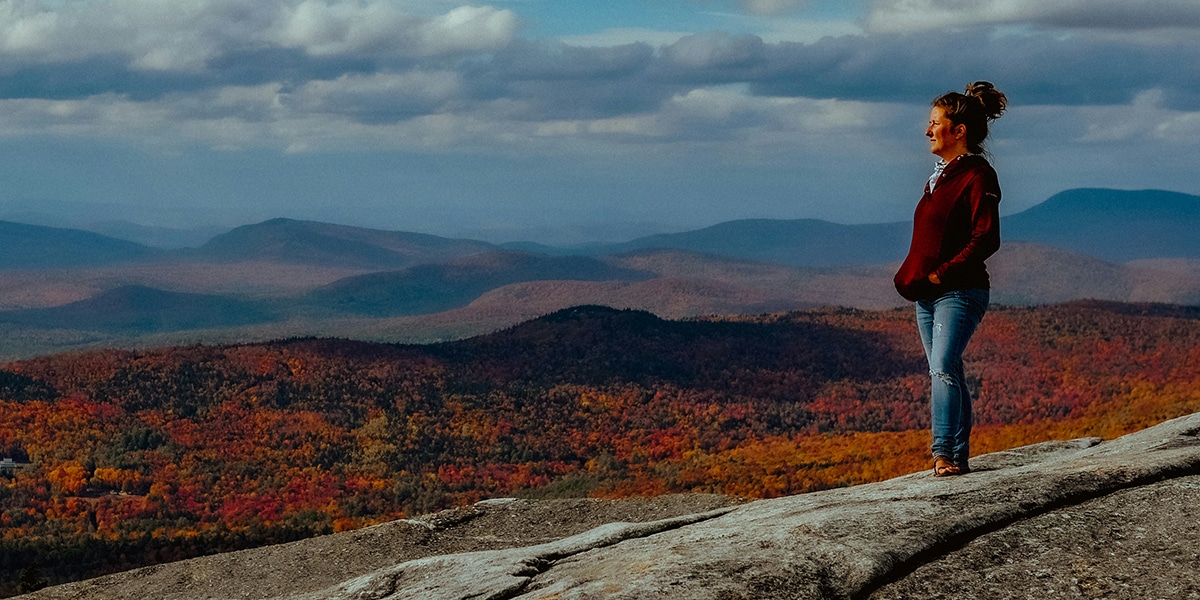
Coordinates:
[493,574]
[842,543]
[838,543]
[906,566]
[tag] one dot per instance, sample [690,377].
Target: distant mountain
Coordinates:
[600,345]
[540,248]
[324,244]
[132,309]
[156,237]
[1027,273]
[437,287]
[1113,245]
[800,242]
[445,302]
[1115,225]
[36,247]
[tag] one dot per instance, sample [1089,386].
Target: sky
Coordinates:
[567,121]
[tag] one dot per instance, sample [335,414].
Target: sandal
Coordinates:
[944,467]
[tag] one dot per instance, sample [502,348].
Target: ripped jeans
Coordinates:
[946,324]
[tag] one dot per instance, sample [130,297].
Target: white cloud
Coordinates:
[24,31]
[798,30]
[714,49]
[467,29]
[925,15]
[727,121]
[309,75]
[184,35]
[622,36]
[377,96]
[152,35]
[326,29]
[1145,119]
[771,7]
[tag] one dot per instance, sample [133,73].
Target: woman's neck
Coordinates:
[950,157]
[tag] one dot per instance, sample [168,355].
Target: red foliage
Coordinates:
[171,453]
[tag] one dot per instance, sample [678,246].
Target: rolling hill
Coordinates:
[324,244]
[133,309]
[1114,225]
[286,278]
[36,247]
[487,292]
[438,287]
[800,242]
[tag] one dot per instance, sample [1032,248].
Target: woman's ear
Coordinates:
[960,130]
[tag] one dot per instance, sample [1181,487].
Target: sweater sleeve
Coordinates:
[983,198]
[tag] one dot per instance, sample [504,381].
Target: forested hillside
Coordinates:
[134,458]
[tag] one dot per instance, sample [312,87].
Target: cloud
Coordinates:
[1145,119]
[715,49]
[468,29]
[309,74]
[552,81]
[25,31]
[739,127]
[376,97]
[148,35]
[145,49]
[621,36]
[187,35]
[771,7]
[327,29]
[1031,68]
[891,16]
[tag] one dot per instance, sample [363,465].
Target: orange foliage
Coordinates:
[140,457]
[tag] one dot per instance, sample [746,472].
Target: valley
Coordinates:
[140,457]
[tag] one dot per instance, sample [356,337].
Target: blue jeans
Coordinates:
[946,324]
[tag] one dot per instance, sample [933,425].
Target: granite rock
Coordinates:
[845,543]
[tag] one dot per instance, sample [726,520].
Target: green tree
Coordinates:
[31,580]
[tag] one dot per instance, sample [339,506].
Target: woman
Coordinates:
[955,228]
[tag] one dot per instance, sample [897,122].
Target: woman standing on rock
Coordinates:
[955,228]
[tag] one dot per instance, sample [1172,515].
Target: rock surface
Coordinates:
[1078,519]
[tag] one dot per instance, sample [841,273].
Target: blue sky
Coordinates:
[560,120]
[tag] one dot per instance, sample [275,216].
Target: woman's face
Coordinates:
[945,139]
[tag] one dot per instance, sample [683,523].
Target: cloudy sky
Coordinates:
[511,118]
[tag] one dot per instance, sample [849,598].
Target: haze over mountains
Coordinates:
[35,247]
[323,244]
[65,288]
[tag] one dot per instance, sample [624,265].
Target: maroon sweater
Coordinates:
[954,230]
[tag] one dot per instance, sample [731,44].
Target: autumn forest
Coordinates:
[130,458]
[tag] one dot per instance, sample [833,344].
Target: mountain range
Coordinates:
[1115,225]
[282,277]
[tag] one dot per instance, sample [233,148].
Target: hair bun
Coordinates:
[993,100]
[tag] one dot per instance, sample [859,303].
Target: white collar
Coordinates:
[941,167]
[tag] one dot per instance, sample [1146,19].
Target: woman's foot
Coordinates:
[944,467]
